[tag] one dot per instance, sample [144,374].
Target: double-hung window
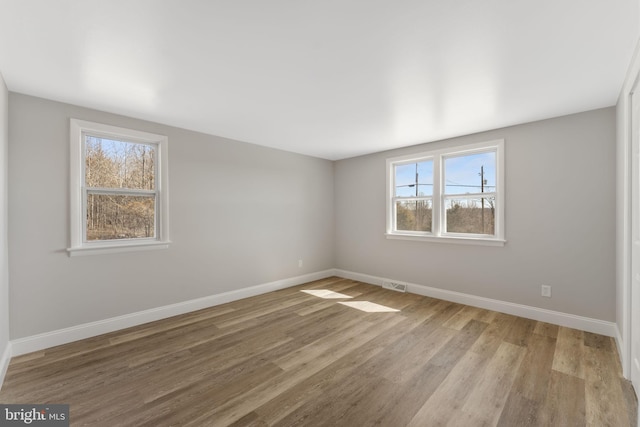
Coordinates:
[448,195]
[119,191]
[413,196]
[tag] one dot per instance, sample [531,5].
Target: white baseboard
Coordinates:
[555,317]
[5,358]
[63,336]
[623,352]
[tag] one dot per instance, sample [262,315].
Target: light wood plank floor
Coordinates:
[292,358]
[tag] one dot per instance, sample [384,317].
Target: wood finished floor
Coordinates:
[290,358]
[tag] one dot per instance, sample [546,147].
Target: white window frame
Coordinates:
[401,162]
[438,231]
[78,192]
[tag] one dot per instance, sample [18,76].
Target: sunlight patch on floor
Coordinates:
[325,293]
[369,307]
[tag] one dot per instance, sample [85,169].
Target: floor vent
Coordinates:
[394,286]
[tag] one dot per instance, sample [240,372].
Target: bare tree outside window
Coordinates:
[120,182]
[414,215]
[471,216]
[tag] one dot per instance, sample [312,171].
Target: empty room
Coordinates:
[354,213]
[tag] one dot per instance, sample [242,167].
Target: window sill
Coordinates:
[117,248]
[448,239]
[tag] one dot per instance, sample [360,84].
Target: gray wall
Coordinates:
[4,268]
[560,221]
[240,214]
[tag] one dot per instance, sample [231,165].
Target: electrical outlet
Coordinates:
[299,263]
[546,291]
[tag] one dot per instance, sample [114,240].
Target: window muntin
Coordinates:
[119,189]
[448,195]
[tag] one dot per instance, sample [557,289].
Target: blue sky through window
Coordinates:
[461,175]
[406,179]
[115,149]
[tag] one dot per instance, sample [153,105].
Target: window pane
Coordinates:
[111,217]
[413,215]
[119,164]
[414,179]
[472,173]
[473,215]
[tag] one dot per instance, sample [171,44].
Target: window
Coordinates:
[452,195]
[414,196]
[119,193]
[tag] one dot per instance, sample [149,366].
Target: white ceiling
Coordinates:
[327,78]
